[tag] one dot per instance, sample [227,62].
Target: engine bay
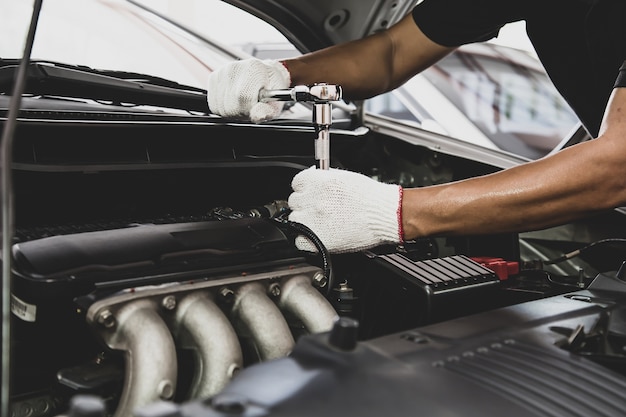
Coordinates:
[154,262]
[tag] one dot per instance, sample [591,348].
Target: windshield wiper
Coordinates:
[51,78]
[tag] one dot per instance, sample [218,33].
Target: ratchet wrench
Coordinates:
[321,95]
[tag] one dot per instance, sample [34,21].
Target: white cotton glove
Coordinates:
[234,89]
[347,211]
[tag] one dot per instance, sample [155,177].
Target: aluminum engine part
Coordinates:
[209,317]
[300,298]
[263,320]
[151,368]
[200,325]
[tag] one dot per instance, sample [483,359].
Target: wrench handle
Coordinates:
[276,95]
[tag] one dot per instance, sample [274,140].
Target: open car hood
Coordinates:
[153,270]
[313,25]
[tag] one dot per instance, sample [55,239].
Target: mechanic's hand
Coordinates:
[234,89]
[347,211]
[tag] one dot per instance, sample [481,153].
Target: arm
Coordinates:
[350,211]
[372,65]
[578,181]
[363,68]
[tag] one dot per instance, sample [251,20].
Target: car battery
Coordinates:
[419,292]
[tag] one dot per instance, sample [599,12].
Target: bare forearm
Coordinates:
[372,65]
[349,65]
[571,184]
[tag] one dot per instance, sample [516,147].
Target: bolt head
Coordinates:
[169,302]
[320,280]
[274,290]
[106,319]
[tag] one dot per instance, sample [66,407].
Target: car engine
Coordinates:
[155,270]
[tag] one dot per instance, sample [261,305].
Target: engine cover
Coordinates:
[524,360]
[176,309]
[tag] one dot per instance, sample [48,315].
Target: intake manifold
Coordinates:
[210,318]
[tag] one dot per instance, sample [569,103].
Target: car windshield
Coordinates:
[112,35]
[516,105]
[503,92]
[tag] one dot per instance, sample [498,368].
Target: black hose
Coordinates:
[577,252]
[305,231]
[8,215]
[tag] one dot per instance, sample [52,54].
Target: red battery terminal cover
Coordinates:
[502,268]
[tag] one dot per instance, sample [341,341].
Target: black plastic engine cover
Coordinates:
[72,264]
[513,361]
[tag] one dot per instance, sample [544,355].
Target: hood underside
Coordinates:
[313,25]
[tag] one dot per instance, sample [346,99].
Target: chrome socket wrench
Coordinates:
[321,95]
